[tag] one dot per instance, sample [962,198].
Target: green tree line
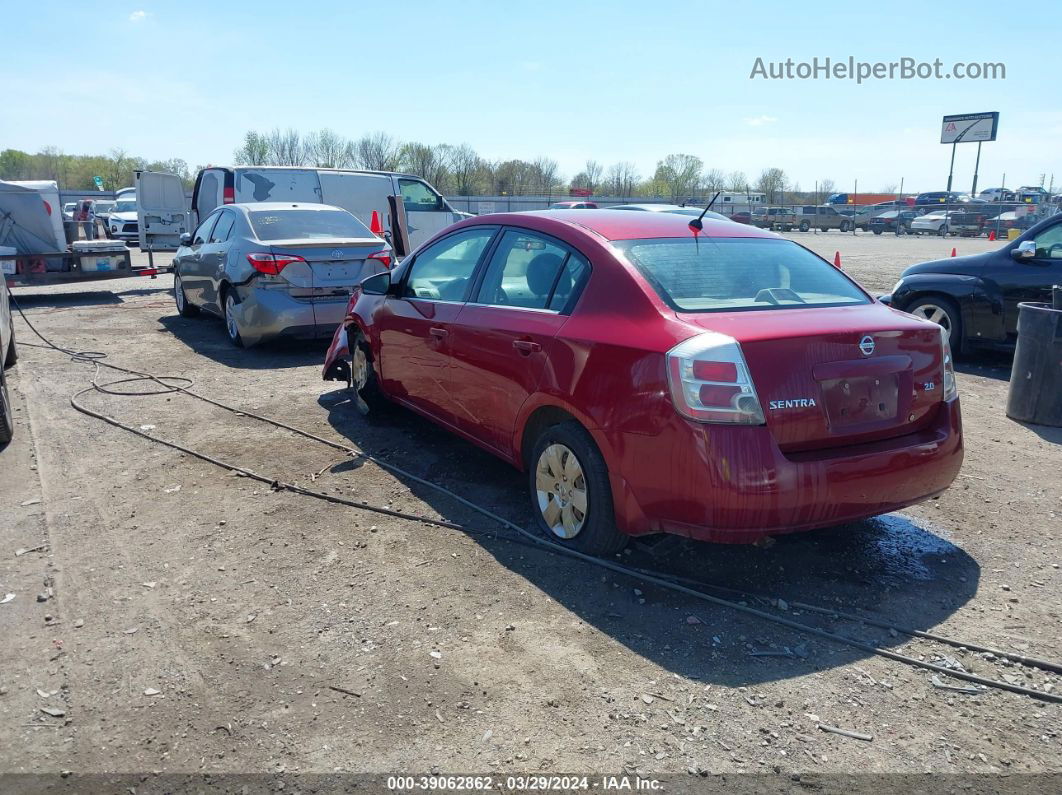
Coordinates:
[455,169]
[77,172]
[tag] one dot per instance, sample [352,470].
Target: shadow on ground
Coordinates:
[905,572]
[206,336]
[987,364]
[96,297]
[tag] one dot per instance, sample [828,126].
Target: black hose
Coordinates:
[671,583]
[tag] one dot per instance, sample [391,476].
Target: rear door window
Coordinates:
[306,225]
[522,271]
[202,234]
[444,270]
[728,274]
[223,228]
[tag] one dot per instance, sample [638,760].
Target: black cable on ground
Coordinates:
[670,583]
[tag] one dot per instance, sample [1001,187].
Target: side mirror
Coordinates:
[380,284]
[186,239]
[1026,249]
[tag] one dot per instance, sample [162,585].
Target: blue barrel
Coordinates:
[1036,378]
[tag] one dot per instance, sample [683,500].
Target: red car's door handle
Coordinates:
[438,333]
[526,347]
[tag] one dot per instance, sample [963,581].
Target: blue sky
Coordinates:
[609,81]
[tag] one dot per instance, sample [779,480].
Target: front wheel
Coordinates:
[805,226]
[877,231]
[844,226]
[571,497]
[945,313]
[363,375]
[943,231]
[184,307]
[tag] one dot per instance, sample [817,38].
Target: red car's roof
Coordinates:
[632,225]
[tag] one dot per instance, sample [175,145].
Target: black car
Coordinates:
[976,297]
[887,221]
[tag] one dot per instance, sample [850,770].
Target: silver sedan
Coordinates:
[274,269]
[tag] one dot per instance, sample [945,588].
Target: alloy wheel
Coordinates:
[178,293]
[230,317]
[935,314]
[562,491]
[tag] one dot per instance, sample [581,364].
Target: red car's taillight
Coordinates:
[272,264]
[710,381]
[383,257]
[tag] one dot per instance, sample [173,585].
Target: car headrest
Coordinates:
[542,270]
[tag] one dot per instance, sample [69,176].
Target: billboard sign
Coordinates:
[969,128]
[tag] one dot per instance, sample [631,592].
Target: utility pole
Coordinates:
[951,168]
[977,164]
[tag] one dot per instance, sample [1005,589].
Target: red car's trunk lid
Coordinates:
[836,376]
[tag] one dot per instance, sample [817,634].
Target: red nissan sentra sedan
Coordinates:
[724,384]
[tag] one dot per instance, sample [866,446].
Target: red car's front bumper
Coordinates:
[734,485]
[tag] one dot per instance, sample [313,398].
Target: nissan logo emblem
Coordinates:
[866,345]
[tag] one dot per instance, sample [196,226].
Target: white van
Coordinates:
[164,215]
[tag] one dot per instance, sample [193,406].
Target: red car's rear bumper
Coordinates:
[734,485]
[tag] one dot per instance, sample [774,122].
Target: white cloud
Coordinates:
[759,121]
[138,16]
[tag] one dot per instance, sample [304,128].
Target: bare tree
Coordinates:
[327,149]
[285,148]
[544,175]
[621,178]
[890,187]
[772,182]
[737,182]
[254,151]
[826,187]
[425,161]
[466,167]
[378,152]
[680,174]
[592,169]
[712,180]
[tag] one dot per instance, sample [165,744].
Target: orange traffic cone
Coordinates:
[837,260]
[954,253]
[374,224]
[992,236]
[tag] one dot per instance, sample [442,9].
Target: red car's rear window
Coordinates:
[726,274]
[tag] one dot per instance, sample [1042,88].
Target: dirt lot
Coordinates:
[190,620]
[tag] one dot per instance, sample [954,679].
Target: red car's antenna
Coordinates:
[697,224]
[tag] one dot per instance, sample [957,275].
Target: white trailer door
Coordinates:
[161,209]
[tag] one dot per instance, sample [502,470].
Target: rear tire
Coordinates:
[805,226]
[7,419]
[180,297]
[844,226]
[232,328]
[571,497]
[945,313]
[943,231]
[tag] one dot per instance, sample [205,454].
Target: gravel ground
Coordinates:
[173,617]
